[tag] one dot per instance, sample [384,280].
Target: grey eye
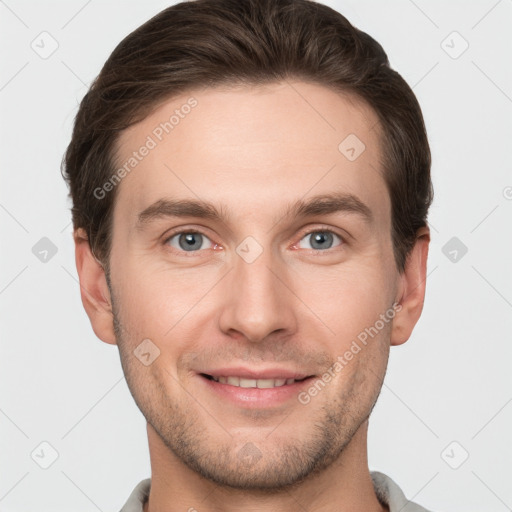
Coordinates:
[188,241]
[320,240]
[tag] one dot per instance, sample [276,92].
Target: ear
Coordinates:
[94,289]
[411,294]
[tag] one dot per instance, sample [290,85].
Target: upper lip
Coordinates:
[264,373]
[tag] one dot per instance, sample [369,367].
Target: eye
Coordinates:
[320,240]
[194,241]
[189,241]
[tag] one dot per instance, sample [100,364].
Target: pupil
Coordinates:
[319,238]
[192,241]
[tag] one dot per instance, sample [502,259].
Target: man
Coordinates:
[222,145]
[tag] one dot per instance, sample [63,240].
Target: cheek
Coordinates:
[348,298]
[158,302]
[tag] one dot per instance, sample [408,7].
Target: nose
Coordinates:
[258,300]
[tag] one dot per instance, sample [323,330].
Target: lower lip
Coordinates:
[257,397]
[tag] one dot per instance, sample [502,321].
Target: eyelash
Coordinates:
[321,229]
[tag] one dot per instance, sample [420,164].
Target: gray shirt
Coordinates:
[387,492]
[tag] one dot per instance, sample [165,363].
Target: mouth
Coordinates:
[276,389]
[242,382]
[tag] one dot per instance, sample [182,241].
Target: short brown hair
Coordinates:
[204,43]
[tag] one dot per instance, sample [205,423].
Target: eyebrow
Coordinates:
[325,204]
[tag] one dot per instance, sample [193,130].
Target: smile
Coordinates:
[242,382]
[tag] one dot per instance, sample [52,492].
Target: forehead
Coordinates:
[252,148]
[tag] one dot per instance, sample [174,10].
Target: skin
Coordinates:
[255,150]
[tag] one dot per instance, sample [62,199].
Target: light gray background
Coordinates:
[450,382]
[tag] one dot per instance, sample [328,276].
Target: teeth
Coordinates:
[244,383]
[267,383]
[253,383]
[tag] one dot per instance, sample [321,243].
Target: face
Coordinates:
[250,255]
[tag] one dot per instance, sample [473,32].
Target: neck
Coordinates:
[345,485]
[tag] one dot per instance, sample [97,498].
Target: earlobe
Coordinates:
[412,289]
[94,290]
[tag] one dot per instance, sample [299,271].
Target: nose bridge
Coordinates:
[257,302]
